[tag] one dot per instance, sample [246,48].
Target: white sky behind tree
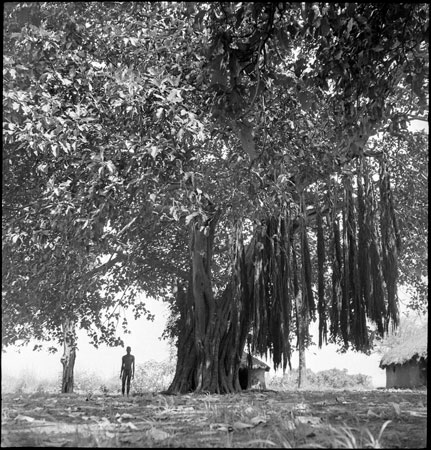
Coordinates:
[146,345]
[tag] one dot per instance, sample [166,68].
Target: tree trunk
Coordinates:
[213,330]
[206,333]
[302,319]
[68,358]
[302,370]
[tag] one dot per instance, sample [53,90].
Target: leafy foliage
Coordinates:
[56,137]
[153,376]
[409,166]
[324,379]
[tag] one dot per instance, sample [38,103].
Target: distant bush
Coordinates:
[87,381]
[153,376]
[325,379]
[28,383]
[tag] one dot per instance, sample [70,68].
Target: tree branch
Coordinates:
[416,117]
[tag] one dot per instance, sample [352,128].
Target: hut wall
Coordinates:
[407,375]
[256,376]
[250,377]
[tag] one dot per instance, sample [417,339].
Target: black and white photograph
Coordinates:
[215,224]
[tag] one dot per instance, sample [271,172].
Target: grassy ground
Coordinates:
[287,419]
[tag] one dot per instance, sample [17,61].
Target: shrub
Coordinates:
[325,379]
[26,382]
[153,376]
[86,381]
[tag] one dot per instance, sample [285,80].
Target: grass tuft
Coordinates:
[344,437]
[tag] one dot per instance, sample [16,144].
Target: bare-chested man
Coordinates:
[127,370]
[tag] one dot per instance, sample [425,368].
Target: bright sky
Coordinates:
[146,345]
[143,339]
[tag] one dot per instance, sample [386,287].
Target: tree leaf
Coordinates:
[154,151]
[191,216]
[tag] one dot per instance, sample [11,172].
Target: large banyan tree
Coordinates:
[227,151]
[304,88]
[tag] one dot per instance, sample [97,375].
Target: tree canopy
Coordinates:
[220,155]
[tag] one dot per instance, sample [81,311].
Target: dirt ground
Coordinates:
[325,419]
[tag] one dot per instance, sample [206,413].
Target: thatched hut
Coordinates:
[254,375]
[406,360]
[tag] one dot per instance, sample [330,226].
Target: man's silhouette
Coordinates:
[127,370]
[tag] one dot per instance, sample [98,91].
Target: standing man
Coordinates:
[127,370]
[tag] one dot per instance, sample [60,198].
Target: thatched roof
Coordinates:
[410,342]
[256,363]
